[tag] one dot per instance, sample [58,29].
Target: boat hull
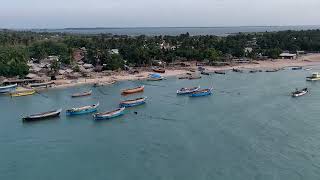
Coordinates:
[300,93]
[81,94]
[26,93]
[134,90]
[87,111]
[77,111]
[131,104]
[179,92]
[120,112]
[7,89]
[313,79]
[201,94]
[42,117]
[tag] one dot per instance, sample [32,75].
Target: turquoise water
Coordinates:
[249,129]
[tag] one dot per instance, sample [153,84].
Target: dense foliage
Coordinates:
[18,47]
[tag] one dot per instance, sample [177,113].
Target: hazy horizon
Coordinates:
[44,14]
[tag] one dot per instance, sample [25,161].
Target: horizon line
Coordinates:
[138,27]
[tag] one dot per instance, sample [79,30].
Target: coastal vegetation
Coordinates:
[18,47]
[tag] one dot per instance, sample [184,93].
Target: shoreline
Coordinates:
[303,61]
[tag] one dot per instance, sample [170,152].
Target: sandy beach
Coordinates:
[306,60]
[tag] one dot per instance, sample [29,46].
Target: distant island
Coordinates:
[31,54]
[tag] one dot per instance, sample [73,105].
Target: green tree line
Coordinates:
[17,47]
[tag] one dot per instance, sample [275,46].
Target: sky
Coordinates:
[156,13]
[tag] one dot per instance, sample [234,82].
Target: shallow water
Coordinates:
[249,129]
[174,31]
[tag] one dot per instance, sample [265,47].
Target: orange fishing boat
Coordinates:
[133,90]
[159,70]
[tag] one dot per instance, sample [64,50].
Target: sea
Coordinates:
[173,31]
[250,128]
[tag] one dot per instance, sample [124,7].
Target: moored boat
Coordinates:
[82,110]
[87,93]
[202,92]
[41,116]
[109,115]
[26,92]
[220,72]
[205,73]
[46,84]
[158,70]
[133,102]
[7,89]
[194,76]
[237,70]
[253,71]
[301,92]
[272,70]
[133,90]
[308,69]
[155,77]
[314,77]
[297,68]
[183,91]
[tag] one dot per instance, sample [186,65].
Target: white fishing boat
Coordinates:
[314,77]
[299,93]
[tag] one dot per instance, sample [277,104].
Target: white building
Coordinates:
[288,56]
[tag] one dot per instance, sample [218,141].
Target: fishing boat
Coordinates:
[87,93]
[133,90]
[205,73]
[7,89]
[109,115]
[184,77]
[82,110]
[201,69]
[314,77]
[203,92]
[133,102]
[237,70]
[155,77]
[158,70]
[299,93]
[297,68]
[183,91]
[220,72]
[41,116]
[46,84]
[26,92]
[272,70]
[253,71]
[194,77]
[308,69]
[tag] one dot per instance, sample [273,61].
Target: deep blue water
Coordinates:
[249,129]
[152,31]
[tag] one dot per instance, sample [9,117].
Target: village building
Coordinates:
[288,56]
[114,51]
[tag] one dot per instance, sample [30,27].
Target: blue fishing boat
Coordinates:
[155,77]
[203,92]
[133,102]
[183,91]
[7,89]
[109,115]
[82,110]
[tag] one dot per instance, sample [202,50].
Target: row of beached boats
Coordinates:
[14,92]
